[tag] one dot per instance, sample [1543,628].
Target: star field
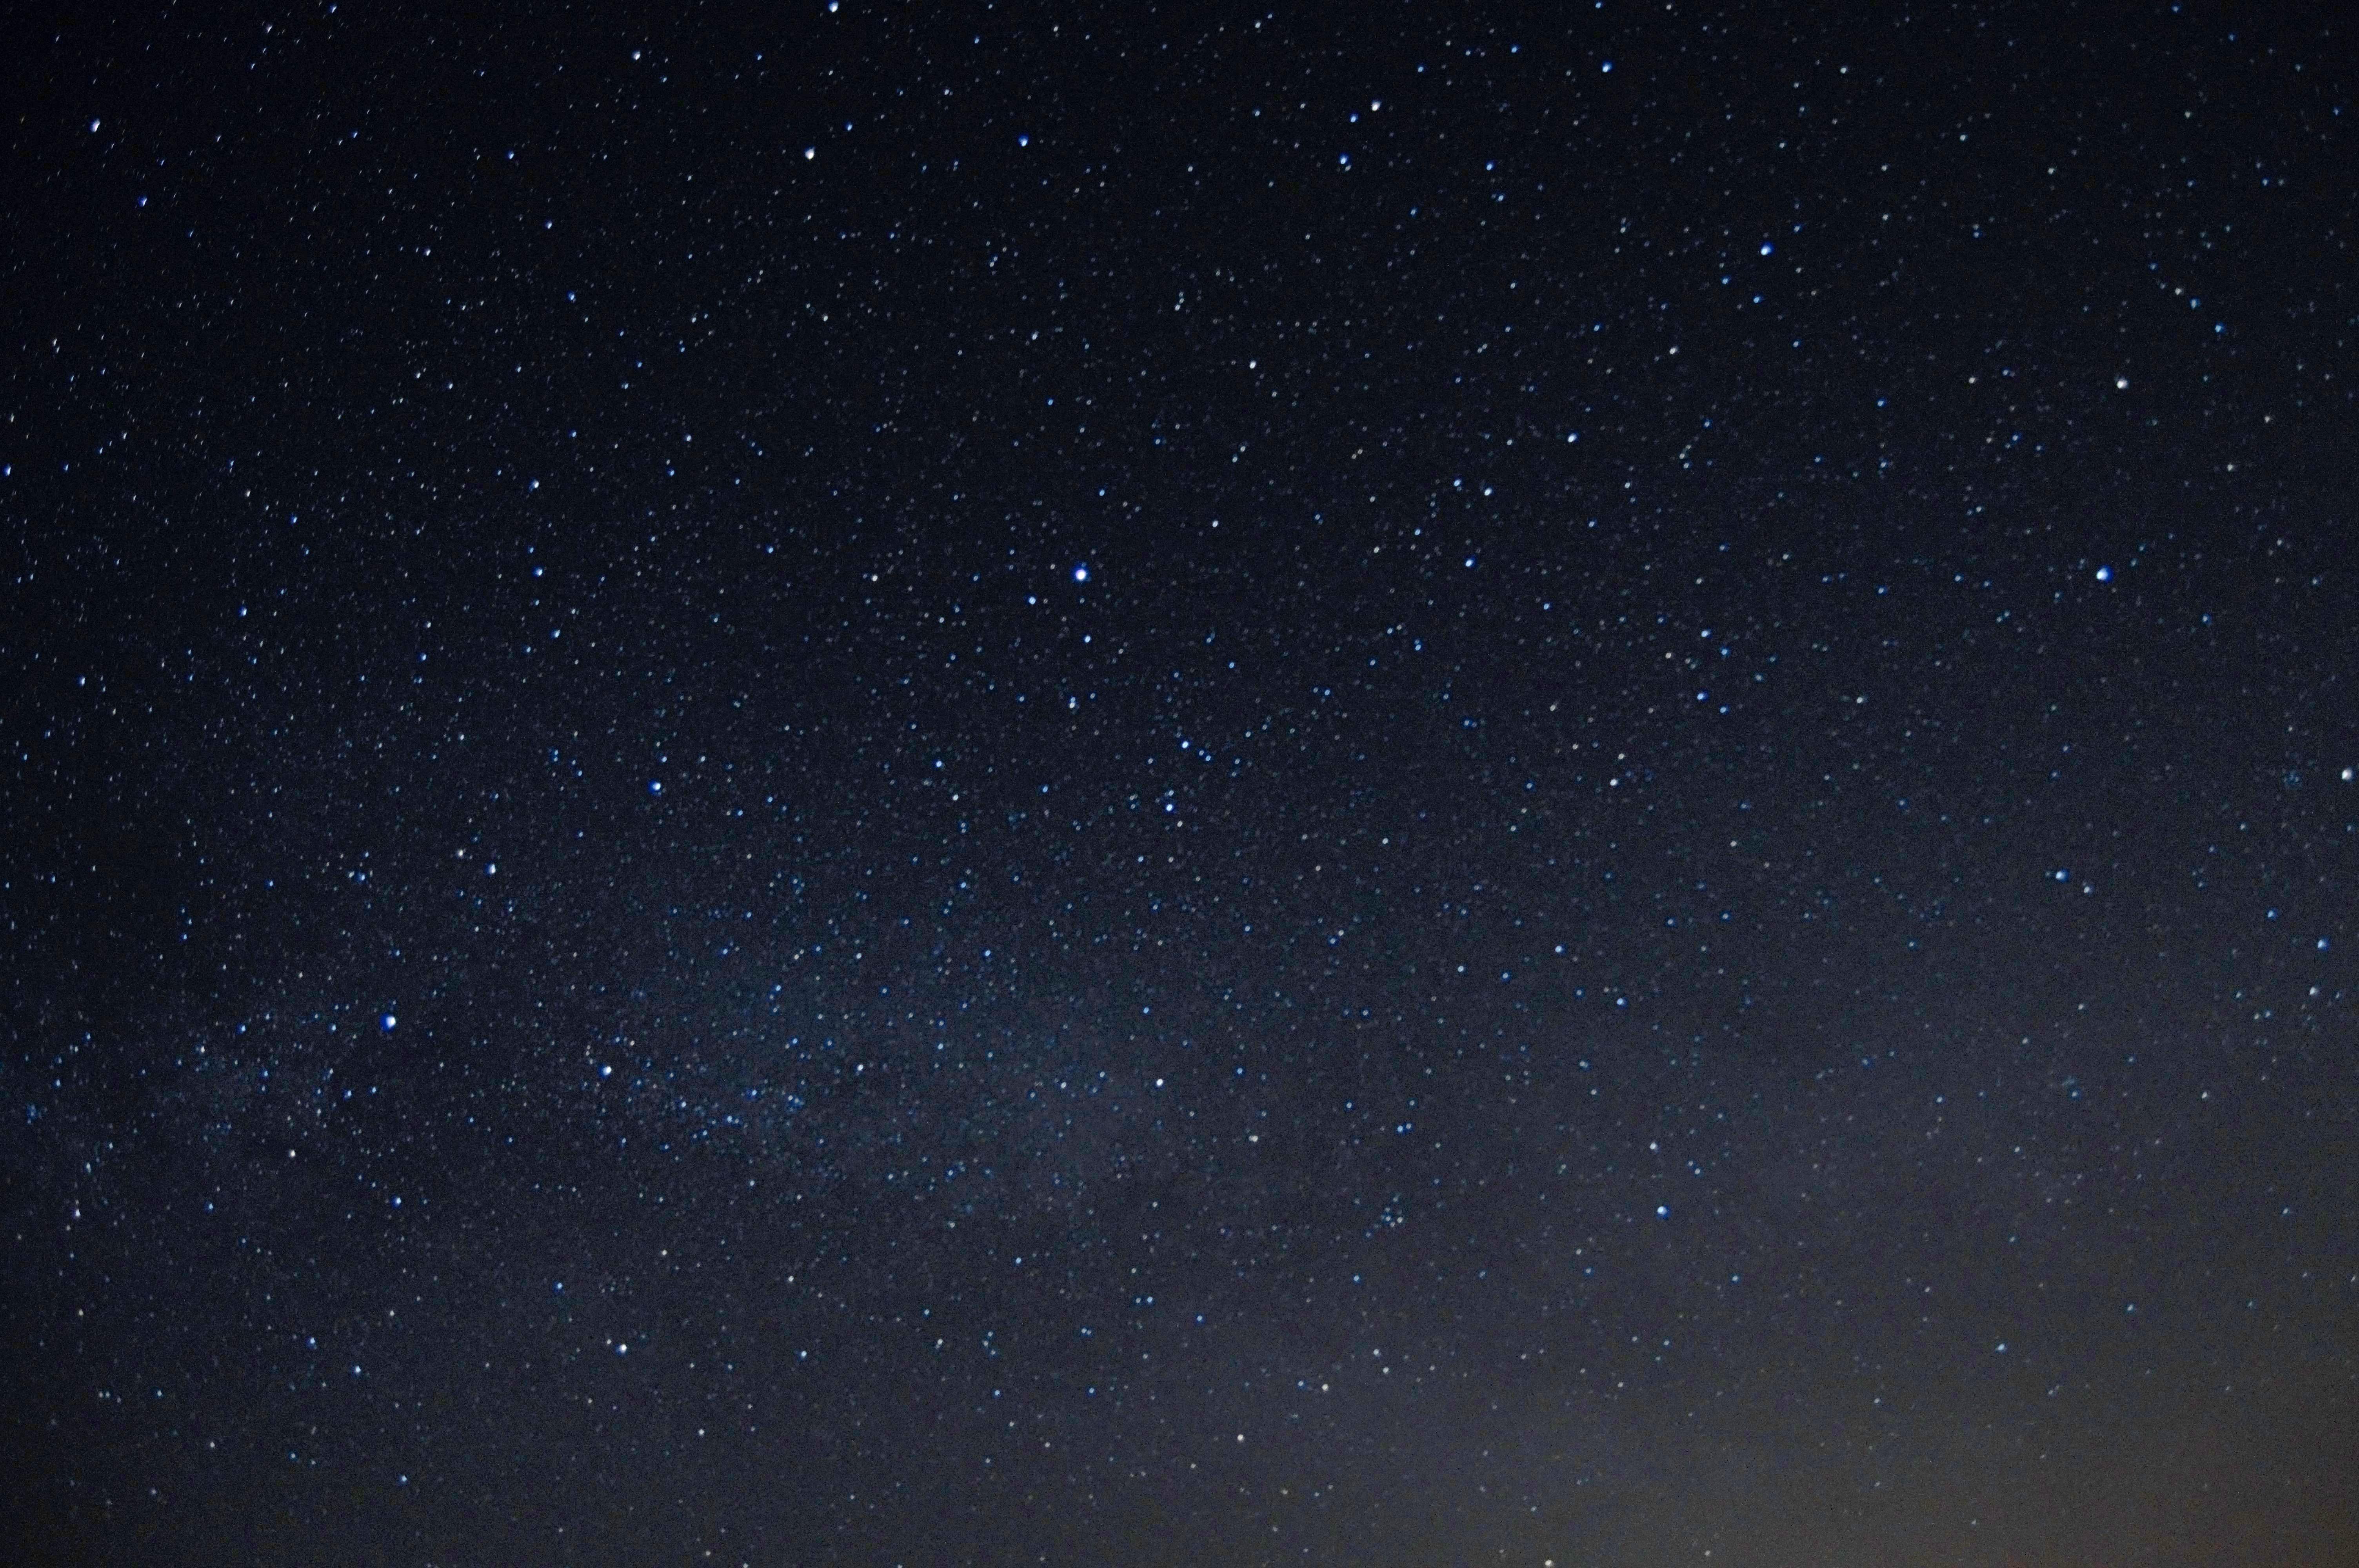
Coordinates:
[927,784]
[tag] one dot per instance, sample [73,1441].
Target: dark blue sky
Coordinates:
[1198,786]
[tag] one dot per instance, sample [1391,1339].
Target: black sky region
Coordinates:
[876,783]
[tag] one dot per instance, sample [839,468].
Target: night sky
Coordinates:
[949,784]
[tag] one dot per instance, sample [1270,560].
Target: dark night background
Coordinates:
[946,784]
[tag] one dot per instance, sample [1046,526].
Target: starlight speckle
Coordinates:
[1086,810]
